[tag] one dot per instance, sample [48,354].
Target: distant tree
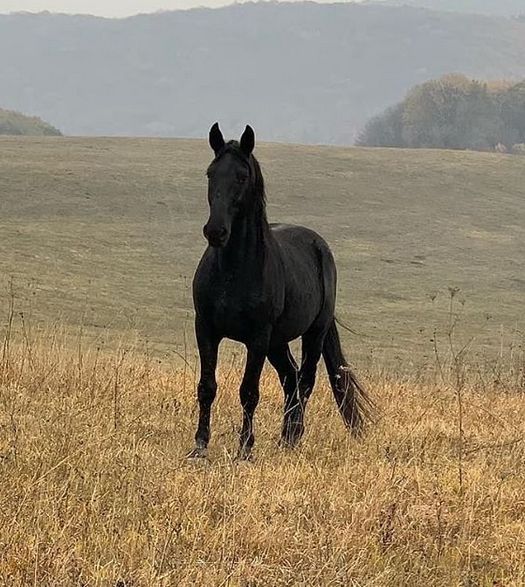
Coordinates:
[430,115]
[513,114]
[478,119]
[452,112]
[385,130]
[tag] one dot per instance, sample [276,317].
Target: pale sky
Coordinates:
[111,8]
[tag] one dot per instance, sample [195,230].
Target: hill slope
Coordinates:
[15,123]
[299,72]
[107,233]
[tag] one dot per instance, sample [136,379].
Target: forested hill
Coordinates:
[15,123]
[299,72]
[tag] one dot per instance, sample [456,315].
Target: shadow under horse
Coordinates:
[265,285]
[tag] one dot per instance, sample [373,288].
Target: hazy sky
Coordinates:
[106,7]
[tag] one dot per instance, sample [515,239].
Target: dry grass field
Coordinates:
[95,489]
[100,238]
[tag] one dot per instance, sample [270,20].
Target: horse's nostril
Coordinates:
[215,234]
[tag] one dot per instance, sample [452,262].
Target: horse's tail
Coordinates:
[353,401]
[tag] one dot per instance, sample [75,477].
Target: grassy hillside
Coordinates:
[106,233]
[15,123]
[301,72]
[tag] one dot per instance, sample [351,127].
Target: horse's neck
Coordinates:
[247,246]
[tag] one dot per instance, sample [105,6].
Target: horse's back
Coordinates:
[299,242]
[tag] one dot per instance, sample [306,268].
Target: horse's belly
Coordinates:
[300,313]
[292,327]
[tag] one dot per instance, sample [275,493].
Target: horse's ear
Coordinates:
[216,139]
[248,140]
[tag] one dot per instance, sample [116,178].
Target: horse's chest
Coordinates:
[233,303]
[236,309]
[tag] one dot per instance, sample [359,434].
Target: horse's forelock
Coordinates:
[234,148]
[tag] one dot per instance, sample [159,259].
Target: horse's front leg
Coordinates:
[249,391]
[208,345]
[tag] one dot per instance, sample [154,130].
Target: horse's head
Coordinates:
[231,178]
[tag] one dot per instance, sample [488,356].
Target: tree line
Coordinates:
[453,112]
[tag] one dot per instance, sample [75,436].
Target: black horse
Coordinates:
[264,285]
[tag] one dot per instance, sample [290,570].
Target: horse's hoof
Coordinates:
[291,435]
[244,456]
[287,443]
[199,452]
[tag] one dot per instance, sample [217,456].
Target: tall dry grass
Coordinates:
[95,490]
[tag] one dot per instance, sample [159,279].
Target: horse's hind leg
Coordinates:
[284,363]
[312,346]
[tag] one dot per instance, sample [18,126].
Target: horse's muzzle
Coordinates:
[216,237]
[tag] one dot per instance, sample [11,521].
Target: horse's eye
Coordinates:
[241,179]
